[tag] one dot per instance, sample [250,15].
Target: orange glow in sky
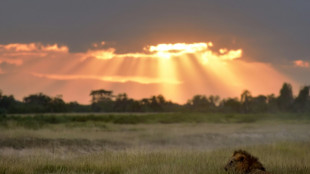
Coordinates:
[118,79]
[302,63]
[31,47]
[178,71]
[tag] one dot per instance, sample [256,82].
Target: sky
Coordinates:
[176,48]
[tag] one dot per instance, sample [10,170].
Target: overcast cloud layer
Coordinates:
[270,32]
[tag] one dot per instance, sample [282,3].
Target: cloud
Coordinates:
[18,54]
[11,61]
[167,51]
[231,54]
[114,79]
[301,63]
[30,49]
[176,70]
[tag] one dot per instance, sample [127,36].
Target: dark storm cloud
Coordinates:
[268,30]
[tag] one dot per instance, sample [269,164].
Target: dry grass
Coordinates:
[278,158]
[149,148]
[203,136]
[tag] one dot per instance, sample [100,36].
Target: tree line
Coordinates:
[106,101]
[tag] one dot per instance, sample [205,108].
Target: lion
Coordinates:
[244,163]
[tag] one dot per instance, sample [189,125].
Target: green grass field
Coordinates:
[172,143]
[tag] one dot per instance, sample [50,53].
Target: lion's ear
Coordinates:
[241,158]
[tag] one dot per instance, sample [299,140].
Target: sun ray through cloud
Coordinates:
[176,70]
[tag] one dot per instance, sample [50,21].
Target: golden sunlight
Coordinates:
[178,49]
[166,51]
[301,63]
[176,70]
[171,60]
[118,79]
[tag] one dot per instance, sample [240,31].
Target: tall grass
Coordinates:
[39,121]
[280,158]
[173,143]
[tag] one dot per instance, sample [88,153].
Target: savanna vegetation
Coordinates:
[278,158]
[106,101]
[116,134]
[151,143]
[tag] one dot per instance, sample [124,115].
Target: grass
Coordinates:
[171,143]
[38,121]
[280,158]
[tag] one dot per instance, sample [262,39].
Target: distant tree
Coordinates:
[246,99]
[76,107]
[134,106]
[214,99]
[7,104]
[214,102]
[101,95]
[285,100]
[102,100]
[230,105]
[166,106]
[302,100]
[259,104]
[38,103]
[161,99]
[58,105]
[199,103]
[121,103]
[38,99]
[156,103]
[272,103]
[145,105]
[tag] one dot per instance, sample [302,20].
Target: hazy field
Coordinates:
[151,143]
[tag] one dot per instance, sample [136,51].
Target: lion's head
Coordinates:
[243,163]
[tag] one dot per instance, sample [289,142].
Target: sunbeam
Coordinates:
[176,70]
